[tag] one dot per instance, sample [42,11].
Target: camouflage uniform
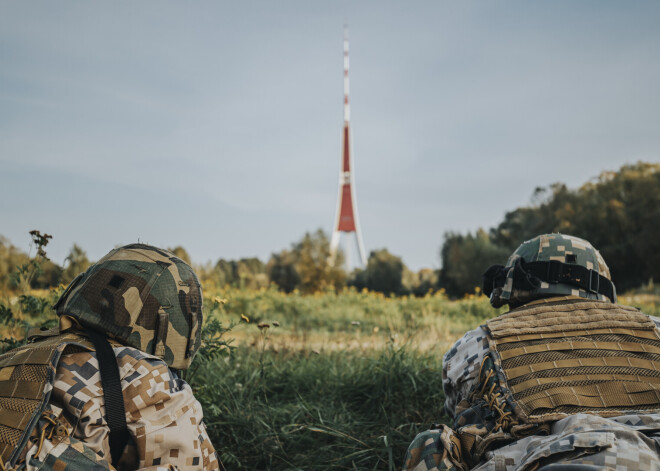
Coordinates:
[144,305]
[164,417]
[481,438]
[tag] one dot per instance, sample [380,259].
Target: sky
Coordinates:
[216,125]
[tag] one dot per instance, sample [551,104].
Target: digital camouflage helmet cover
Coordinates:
[550,265]
[141,296]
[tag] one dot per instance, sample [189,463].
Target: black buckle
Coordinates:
[566,273]
[554,271]
[594,281]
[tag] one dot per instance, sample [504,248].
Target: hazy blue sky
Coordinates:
[216,125]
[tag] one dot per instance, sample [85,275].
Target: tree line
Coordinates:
[14,263]
[618,212]
[304,267]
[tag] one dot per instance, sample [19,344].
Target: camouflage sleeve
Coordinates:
[435,450]
[162,414]
[460,367]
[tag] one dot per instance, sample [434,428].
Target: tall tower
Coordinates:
[346,219]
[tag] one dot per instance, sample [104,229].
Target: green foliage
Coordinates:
[25,273]
[465,258]
[313,266]
[431,320]
[33,306]
[280,404]
[215,344]
[7,319]
[282,400]
[29,311]
[342,410]
[618,212]
[282,271]
[49,275]
[383,273]
[247,273]
[19,271]
[36,308]
[420,283]
[10,258]
[306,266]
[76,262]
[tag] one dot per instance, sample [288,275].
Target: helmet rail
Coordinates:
[549,265]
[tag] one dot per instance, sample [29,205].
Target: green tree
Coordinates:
[383,273]
[10,258]
[465,258]
[427,280]
[243,273]
[620,215]
[313,266]
[618,212]
[306,266]
[48,276]
[76,262]
[282,271]
[251,273]
[224,273]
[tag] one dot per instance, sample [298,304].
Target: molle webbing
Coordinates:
[26,378]
[555,359]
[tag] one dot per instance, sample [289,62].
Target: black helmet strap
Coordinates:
[528,276]
[494,277]
[115,413]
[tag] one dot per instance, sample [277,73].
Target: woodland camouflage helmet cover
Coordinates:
[141,296]
[550,265]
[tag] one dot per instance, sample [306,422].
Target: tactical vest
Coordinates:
[27,375]
[559,358]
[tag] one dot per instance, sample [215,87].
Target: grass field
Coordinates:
[328,381]
[325,381]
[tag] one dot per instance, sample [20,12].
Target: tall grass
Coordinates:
[338,410]
[348,319]
[329,381]
[344,382]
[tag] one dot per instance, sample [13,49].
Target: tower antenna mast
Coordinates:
[346,216]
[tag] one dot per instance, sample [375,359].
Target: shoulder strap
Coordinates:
[115,414]
[27,374]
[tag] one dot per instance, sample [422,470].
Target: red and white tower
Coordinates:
[346,219]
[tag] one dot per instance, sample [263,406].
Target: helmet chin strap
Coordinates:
[115,413]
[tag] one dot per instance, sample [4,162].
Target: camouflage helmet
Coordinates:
[550,265]
[141,296]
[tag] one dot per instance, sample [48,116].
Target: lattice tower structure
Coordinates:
[346,216]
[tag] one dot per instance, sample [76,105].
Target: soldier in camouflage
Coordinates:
[57,409]
[566,380]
